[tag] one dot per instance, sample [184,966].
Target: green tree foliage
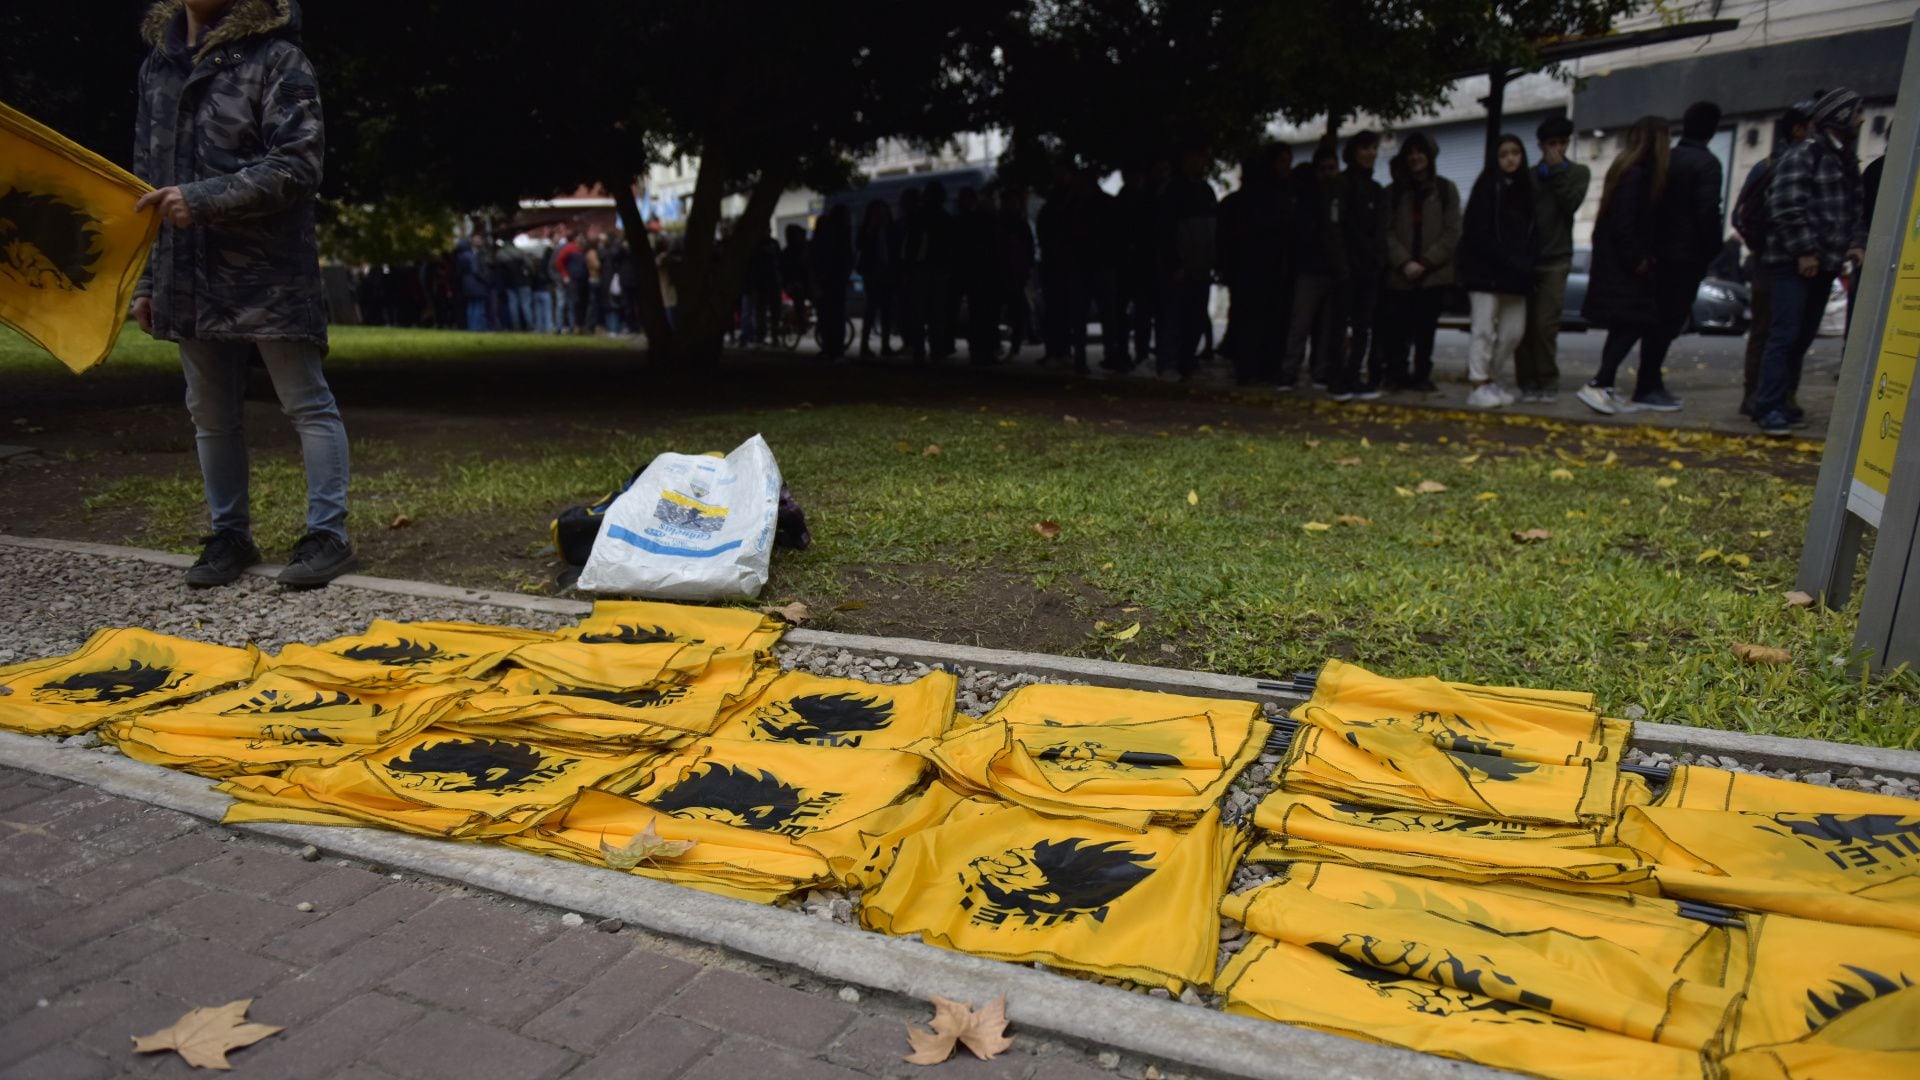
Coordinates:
[401,228]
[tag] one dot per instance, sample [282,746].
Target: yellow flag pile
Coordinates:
[71,246]
[1466,871]
[116,673]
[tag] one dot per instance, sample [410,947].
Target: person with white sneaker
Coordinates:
[1620,293]
[1499,240]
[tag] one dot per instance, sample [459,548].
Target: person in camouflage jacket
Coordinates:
[1817,225]
[229,133]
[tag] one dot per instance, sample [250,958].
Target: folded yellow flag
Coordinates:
[1126,773]
[1608,964]
[1828,1001]
[1526,725]
[390,654]
[438,783]
[276,722]
[802,708]
[1073,893]
[1295,984]
[679,702]
[647,622]
[118,672]
[71,246]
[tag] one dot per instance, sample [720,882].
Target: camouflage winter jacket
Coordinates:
[235,123]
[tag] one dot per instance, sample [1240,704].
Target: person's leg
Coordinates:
[1510,325]
[309,404]
[1760,301]
[1390,338]
[1363,308]
[1330,340]
[1675,287]
[1308,289]
[1793,301]
[1481,307]
[1426,322]
[216,374]
[1536,361]
[1613,352]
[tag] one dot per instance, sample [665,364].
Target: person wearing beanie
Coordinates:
[1560,186]
[1816,213]
[1750,221]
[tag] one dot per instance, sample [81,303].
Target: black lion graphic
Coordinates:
[623,634]
[402,653]
[645,697]
[1082,756]
[476,765]
[1054,881]
[1849,995]
[1434,999]
[111,685]
[822,719]
[736,796]
[285,701]
[292,735]
[45,243]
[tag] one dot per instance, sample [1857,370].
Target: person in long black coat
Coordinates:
[1499,244]
[1620,290]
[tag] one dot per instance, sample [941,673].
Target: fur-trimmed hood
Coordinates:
[242,19]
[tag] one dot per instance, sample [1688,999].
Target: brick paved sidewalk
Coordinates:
[117,917]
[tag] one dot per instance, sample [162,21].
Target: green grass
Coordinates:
[135,352]
[1651,576]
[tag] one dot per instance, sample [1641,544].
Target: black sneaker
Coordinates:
[317,559]
[1423,386]
[225,557]
[1776,423]
[1657,400]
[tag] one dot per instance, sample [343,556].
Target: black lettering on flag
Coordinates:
[623,634]
[282,701]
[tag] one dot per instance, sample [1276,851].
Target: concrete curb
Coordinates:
[1770,750]
[1159,1030]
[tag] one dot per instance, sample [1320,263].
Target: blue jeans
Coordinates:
[1798,304]
[520,302]
[543,310]
[477,313]
[216,374]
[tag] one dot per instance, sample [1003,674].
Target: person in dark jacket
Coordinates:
[876,257]
[1319,274]
[1690,231]
[1013,248]
[1560,186]
[1620,289]
[1750,218]
[1423,231]
[229,133]
[1499,243]
[1254,254]
[1818,226]
[1185,236]
[831,254]
[1363,222]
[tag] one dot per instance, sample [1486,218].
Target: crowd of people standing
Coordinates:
[581,285]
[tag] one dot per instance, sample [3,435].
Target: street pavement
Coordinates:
[120,917]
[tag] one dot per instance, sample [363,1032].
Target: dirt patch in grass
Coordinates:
[978,606]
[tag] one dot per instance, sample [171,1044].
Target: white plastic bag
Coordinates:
[692,527]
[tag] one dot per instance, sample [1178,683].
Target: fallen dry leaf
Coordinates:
[1351,519]
[1487,496]
[1611,460]
[400,521]
[1762,654]
[1528,536]
[1313,444]
[1402,492]
[983,1032]
[1048,529]
[850,605]
[1430,487]
[1665,482]
[204,1036]
[1316,526]
[1070,418]
[1348,461]
[1797,598]
[1365,444]
[1676,464]
[1193,497]
[932,450]
[1128,634]
[1707,555]
[1561,474]
[1470,459]
[795,613]
[645,846]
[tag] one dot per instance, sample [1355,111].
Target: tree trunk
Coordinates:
[653,306]
[713,274]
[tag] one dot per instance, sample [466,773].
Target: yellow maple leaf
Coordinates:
[1316,526]
[1193,498]
[982,1032]
[645,846]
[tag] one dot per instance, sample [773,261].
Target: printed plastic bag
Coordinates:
[692,527]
